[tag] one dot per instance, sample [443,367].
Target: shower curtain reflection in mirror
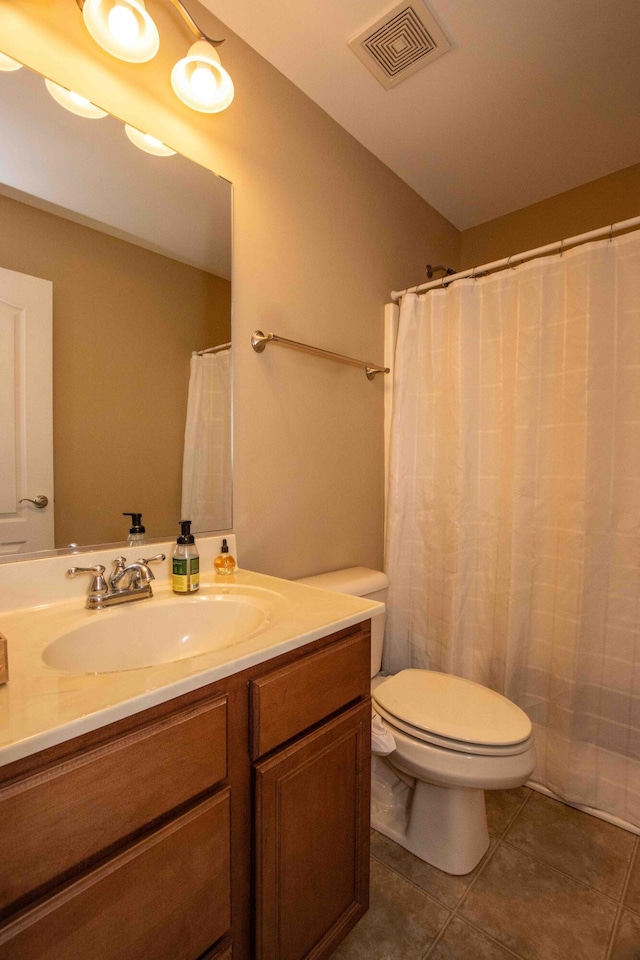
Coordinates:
[513,543]
[206,473]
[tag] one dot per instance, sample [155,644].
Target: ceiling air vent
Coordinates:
[400,42]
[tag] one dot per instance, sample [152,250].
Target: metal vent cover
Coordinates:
[400,42]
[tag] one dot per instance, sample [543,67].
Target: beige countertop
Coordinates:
[41,705]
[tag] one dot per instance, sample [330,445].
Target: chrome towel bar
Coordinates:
[259,340]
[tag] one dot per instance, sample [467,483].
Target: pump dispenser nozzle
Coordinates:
[186,536]
[136,530]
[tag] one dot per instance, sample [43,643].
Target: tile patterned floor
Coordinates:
[555,884]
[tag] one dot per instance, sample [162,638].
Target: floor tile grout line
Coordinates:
[426,893]
[621,904]
[412,883]
[439,937]
[518,811]
[515,815]
[635,856]
[568,876]
[488,936]
[488,857]
[498,839]
[454,912]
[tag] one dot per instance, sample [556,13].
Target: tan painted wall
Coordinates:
[322,232]
[596,204]
[125,321]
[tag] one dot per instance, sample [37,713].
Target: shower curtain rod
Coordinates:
[560,245]
[218,349]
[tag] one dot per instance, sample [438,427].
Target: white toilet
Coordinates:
[454,739]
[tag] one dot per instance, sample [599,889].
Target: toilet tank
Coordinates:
[359,582]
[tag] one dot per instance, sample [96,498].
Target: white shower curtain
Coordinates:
[206,471]
[513,543]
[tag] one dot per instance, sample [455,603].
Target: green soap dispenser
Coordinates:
[186,562]
[137,533]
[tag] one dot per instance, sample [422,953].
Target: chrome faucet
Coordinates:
[126,582]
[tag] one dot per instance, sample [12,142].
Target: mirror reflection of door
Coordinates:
[26,432]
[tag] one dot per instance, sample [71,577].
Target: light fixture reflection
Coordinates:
[74,102]
[8,64]
[148,143]
[123,28]
[200,80]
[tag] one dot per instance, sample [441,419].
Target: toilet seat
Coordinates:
[453,713]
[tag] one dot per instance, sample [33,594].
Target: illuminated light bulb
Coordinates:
[203,82]
[8,64]
[74,102]
[200,80]
[123,25]
[123,28]
[148,143]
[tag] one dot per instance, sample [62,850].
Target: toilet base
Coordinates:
[447,827]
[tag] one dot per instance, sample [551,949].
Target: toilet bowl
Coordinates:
[454,739]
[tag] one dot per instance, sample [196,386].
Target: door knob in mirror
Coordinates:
[40,501]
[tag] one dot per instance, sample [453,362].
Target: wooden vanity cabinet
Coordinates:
[227,824]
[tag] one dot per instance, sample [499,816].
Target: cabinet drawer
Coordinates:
[67,815]
[289,700]
[166,897]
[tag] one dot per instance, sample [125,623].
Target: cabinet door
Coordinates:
[312,839]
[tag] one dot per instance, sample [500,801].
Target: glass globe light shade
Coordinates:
[200,80]
[123,28]
[148,143]
[74,102]
[7,64]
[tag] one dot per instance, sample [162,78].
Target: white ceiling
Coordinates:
[535,97]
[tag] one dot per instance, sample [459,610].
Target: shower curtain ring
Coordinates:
[561,247]
[611,233]
[509,267]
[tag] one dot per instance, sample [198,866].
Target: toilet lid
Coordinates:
[453,708]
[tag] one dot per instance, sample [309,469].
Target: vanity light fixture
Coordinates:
[200,80]
[124,29]
[8,64]
[148,143]
[74,102]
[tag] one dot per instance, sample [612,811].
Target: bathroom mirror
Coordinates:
[136,250]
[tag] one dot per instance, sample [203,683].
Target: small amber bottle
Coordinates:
[224,563]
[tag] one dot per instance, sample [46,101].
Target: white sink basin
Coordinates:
[161,630]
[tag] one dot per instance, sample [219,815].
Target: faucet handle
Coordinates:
[98,586]
[157,559]
[144,576]
[97,571]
